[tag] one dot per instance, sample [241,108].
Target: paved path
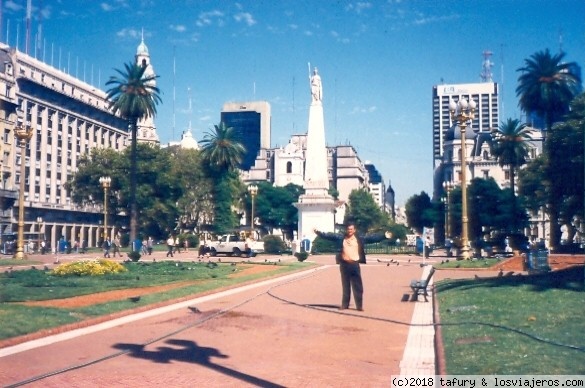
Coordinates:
[281,332]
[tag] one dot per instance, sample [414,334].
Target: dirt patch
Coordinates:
[109,296]
[555,262]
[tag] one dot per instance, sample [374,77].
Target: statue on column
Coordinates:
[316,87]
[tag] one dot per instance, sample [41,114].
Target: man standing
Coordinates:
[106,247]
[351,254]
[116,246]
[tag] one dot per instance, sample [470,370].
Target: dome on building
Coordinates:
[454,133]
[188,141]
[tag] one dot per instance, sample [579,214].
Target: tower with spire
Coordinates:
[146,131]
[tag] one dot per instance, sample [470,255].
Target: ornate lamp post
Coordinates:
[448,186]
[23,134]
[253,190]
[106,182]
[462,113]
[39,225]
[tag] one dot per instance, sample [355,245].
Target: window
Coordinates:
[288,167]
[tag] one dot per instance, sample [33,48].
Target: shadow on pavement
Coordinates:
[189,351]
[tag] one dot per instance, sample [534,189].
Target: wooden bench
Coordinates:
[420,287]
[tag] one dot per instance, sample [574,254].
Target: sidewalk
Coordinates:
[281,332]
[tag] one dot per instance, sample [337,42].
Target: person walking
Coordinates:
[116,246]
[170,245]
[106,247]
[149,245]
[177,245]
[351,255]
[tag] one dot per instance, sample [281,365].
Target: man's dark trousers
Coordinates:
[351,278]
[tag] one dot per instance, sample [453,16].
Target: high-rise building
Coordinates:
[486,116]
[252,123]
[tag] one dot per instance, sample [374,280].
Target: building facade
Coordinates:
[68,118]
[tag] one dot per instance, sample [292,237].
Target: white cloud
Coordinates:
[129,33]
[360,110]
[245,17]
[359,6]
[106,7]
[178,27]
[208,18]
[13,6]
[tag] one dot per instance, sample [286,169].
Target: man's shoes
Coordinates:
[342,307]
[360,309]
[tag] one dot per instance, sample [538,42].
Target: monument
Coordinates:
[316,207]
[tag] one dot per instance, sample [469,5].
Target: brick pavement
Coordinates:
[246,337]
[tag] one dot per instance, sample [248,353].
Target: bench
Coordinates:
[420,287]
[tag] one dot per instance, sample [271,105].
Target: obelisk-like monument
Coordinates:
[316,206]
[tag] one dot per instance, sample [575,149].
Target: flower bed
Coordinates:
[95,267]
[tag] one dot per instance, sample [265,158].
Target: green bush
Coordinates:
[302,256]
[192,239]
[320,245]
[134,255]
[273,244]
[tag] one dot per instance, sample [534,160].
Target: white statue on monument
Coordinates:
[316,87]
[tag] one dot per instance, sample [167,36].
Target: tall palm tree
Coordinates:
[222,152]
[133,96]
[547,86]
[510,147]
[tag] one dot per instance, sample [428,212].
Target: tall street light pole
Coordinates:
[253,190]
[463,113]
[23,134]
[39,224]
[106,182]
[448,186]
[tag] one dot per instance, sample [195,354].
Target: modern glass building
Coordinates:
[251,121]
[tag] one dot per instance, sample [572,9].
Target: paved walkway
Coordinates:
[279,332]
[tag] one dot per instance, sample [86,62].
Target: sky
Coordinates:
[378,60]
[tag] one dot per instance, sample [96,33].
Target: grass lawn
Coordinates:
[36,285]
[530,325]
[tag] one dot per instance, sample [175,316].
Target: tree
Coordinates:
[511,148]
[365,213]
[420,212]
[133,96]
[274,207]
[222,153]
[547,86]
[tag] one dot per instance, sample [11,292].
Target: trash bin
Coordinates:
[538,260]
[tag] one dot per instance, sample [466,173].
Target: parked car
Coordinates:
[233,245]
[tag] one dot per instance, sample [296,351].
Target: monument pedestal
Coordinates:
[315,212]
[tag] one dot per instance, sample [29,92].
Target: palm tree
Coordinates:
[133,96]
[547,86]
[222,152]
[511,148]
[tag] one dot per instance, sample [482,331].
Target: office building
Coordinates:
[252,124]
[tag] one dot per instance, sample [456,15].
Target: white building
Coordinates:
[68,118]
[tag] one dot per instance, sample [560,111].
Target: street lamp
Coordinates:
[106,182]
[463,112]
[253,190]
[39,224]
[23,134]
[448,186]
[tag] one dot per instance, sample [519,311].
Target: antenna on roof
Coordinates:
[561,41]
[28,17]
[486,72]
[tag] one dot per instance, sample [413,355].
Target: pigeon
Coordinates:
[501,273]
[134,299]
[194,309]
[388,265]
[409,260]
[476,277]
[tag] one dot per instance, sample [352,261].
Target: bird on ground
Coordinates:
[477,277]
[194,309]
[501,273]
[134,299]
